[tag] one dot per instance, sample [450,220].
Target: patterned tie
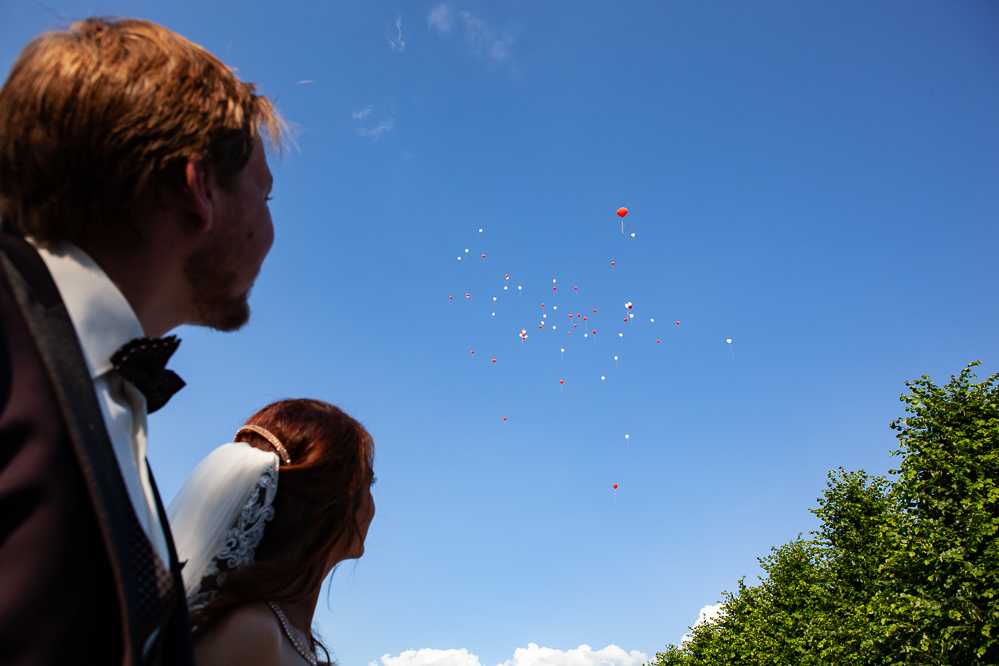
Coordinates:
[143,362]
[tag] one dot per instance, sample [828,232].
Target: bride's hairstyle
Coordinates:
[315,507]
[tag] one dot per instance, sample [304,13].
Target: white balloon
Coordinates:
[602,378]
[519,287]
[627,436]
[563,350]
[615,358]
[632,234]
[466,250]
[620,335]
[505,287]
[729,340]
[494,298]
[554,307]
[653,320]
[480,231]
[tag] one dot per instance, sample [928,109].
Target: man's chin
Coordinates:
[224,315]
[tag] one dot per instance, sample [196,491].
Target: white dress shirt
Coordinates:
[104,321]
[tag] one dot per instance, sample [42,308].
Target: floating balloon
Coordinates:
[627,436]
[632,234]
[622,211]
[504,418]
[467,295]
[615,486]
[561,381]
[628,305]
[507,276]
[612,263]
[494,360]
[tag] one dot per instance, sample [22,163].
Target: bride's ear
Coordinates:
[200,194]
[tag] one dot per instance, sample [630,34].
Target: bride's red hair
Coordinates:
[315,507]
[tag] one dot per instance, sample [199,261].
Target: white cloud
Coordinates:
[707,614]
[379,129]
[440,17]
[398,44]
[532,655]
[481,39]
[363,113]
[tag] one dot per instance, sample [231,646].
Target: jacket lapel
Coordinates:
[146,598]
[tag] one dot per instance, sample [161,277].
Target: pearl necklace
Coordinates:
[308,654]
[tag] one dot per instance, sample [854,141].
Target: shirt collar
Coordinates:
[101,315]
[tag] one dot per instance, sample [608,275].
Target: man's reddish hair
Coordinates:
[103,117]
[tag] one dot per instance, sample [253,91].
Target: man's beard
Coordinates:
[211,283]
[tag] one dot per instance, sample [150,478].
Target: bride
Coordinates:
[262,521]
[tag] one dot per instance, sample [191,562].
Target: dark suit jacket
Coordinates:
[79,580]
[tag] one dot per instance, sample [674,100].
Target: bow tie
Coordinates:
[143,362]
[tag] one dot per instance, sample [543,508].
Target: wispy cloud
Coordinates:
[481,38]
[707,614]
[441,18]
[377,130]
[398,44]
[368,127]
[532,655]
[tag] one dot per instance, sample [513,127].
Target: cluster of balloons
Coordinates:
[577,321]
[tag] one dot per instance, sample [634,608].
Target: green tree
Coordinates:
[902,572]
[947,559]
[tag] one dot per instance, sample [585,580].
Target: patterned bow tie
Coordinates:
[143,362]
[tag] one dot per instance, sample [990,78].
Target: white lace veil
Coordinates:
[219,514]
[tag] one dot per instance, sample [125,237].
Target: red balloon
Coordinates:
[483,256]
[466,295]
[494,360]
[594,332]
[677,323]
[584,318]
[622,211]
[615,486]
[504,418]
[594,310]
[612,263]
[561,381]
[543,305]
[473,351]
[657,341]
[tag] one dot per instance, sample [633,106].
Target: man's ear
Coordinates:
[200,194]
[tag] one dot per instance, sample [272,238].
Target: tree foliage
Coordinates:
[899,572]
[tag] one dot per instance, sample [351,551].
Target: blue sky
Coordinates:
[818,182]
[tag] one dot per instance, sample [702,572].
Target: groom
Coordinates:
[133,199]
